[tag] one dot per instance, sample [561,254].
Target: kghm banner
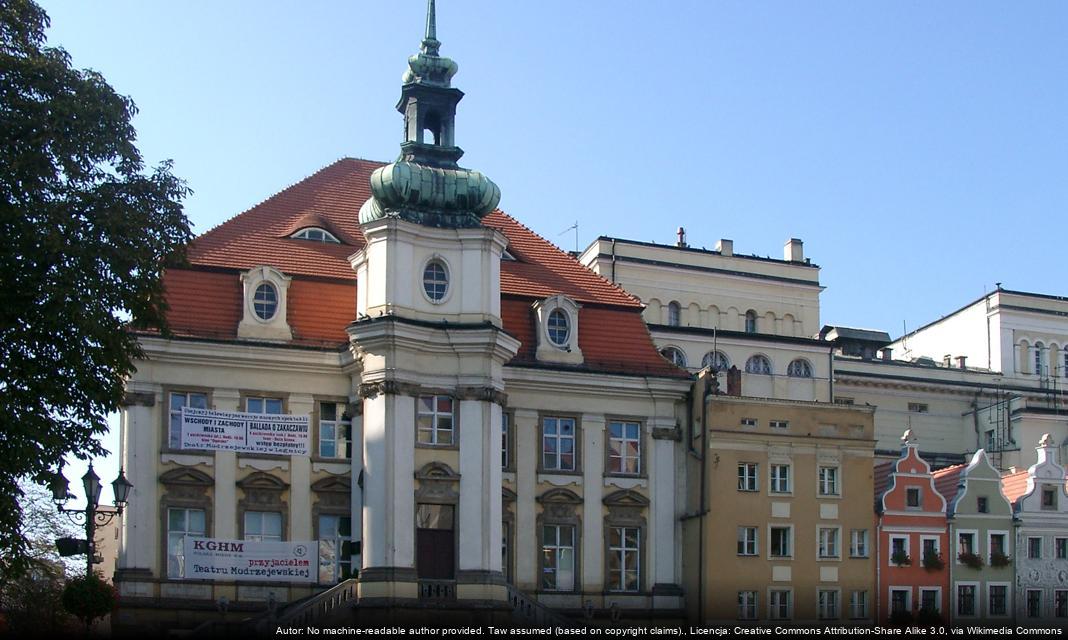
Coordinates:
[214,559]
[270,433]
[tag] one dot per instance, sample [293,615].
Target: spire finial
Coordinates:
[430,39]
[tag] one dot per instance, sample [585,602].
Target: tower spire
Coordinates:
[430,39]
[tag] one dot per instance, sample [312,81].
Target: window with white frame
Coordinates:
[996,545]
[750,321]
[929,599]
[912,498]
[799,369]
[900,601]
[334,429]
[558,327]
[624,447]
[858,605]
[1060,546]
[828,481]
[716,360]
[179,399]
[434,419]
[675,356]
[747,605]
[780,478]
[674,318]
[338,529]
[558,557]
[759,365]
[181,523]
[747,541]
[858,543]
[780,542]
[255,404]
[624,555]
[435,280]
[1034,548]
[779,424]
[998,599]
[966,599]
[265,301]
[748,422]
[1049,498]
[965,543]
[929,547]
[1040,368]
[828,542]
[558,444]
[1034,603]
[828,604]
[899,549]
[316,234]
[747,476]
[779,604]
[263,526]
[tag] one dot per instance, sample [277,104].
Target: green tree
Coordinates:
[86,233]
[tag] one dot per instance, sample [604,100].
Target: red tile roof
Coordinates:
[206,298]
[947,481]
[881,477]
[1014,485]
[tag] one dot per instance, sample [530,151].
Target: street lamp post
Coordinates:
[92,515]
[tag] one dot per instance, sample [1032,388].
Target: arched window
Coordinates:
[1039,368]
[674,314]
[799,369]
[759,365]
[750,321]
[716,360]
[676,356]
[316,234]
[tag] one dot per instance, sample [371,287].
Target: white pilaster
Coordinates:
[140,426]
[480,486]
[300,498]
[662,516]
[592,509]
[224,518]
[388,489]
[526,460]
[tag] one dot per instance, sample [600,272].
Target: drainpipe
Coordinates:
[878,570]
[705,397]
[830,373]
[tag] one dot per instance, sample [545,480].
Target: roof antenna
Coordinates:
[574,226]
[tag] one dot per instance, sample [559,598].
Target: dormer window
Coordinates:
[265,301]
[315,234]
[264,309]
[558,330]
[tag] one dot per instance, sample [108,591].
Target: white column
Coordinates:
[480,486]
[140,425]
[224,518]
[300,498]
[592,509]
[526,461]
[388,484]
[662,516]
[355,492]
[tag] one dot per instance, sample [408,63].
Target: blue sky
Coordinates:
[919,149]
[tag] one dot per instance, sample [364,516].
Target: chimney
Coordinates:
[960,362]
[793,251]
[888,354]
[947,360]
[682,238]
[725,247]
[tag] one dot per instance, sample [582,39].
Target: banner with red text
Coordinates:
[215,559]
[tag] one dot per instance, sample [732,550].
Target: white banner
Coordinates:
[271,433]
[214,559]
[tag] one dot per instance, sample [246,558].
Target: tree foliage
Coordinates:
[89,597]
[87,232]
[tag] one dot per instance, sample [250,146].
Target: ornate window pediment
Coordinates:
[333,484]
[262,481]
[625,498]
[437,471]
[184,476]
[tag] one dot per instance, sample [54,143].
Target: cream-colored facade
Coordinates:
[786,529]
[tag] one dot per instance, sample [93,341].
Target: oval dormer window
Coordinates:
[559,328]
[435,280]
[265,301]
[316,234]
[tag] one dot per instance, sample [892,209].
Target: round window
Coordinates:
[559,331]
[435,280]
[265,301]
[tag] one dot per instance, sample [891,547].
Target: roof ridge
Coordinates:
[568,255]
[945,470]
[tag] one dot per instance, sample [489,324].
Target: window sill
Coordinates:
[445,447]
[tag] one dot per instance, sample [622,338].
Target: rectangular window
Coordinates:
[982,504]
[558,444]
[858,543]
[1060,545]
[828,604]
[1049,498]
[929,599]
[858,605]
[780,542]
[912,498]
[828,481]
[997,543]
[263,405]
[505,453]
[779,605]
[899,600]
[930,546]
[965,543]
[181,399]
[966,600]
[998,605]
[779,424]
[339,530]
[1060,603]
[558,558]
[828,542]
[747,476]
[434,420]
[899,550]
[780,478]
[1034,603]
[990,440]
[747,605]
[749,422]
[844,400]
[1034,548]
[623,558]
[918,407]
[747,541]
[334,428]
[624,447]
[263,526]
[506,545]
[181,523]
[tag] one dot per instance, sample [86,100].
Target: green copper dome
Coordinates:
[426,185]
